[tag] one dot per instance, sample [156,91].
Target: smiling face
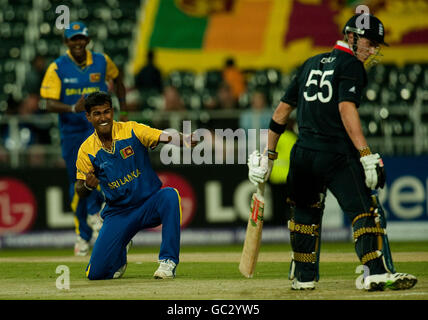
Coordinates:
[101,118]
[77,46]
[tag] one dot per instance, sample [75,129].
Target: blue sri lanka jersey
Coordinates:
[125,173]
[66,81]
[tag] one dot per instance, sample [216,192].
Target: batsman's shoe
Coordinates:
[119,273]
[394,281]
[81,247]
[297,285]
[166,269]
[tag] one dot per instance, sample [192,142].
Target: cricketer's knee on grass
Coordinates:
[96,273]
[101,268]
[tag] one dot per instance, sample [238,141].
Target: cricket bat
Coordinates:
[387,256]
[253,235]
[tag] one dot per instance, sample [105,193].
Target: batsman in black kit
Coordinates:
[332,152]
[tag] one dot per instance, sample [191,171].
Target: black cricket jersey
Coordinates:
[320,84]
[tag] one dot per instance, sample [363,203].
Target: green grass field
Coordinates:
[205,272]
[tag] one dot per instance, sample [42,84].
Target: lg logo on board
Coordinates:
[17,206]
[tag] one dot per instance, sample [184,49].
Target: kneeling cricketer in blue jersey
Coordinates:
[116,157]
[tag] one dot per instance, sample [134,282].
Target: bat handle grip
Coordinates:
[261,186]
[261,189]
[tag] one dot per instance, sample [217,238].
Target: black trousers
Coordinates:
[311,172]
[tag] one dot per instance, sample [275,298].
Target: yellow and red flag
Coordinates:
[197,35]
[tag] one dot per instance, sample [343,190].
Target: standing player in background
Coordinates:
[332,152]
[66,81]
[235,79]
[115,157]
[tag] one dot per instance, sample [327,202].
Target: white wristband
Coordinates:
[86,186]
[73,108]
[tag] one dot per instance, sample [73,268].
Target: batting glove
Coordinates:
[260,167]
[373,170]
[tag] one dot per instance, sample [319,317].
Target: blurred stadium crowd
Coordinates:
[394,111]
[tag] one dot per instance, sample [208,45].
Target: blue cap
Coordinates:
[76,28]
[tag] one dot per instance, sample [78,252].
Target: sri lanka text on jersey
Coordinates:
[126,179]
[80,91]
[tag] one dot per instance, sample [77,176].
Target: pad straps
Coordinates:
[303,228]
[311,230]
[304,257]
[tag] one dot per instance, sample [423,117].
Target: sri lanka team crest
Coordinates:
[126,152]
[95,77]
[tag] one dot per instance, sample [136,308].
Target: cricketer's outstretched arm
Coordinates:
[184,140]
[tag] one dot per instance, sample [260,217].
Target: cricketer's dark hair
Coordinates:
[97,98]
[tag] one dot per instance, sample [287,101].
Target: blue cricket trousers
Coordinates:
[109,252]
